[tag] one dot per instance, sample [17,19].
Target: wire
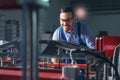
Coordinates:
[96,54]
[71,57]
[114,57]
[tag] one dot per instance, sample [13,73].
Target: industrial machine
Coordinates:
[109,44]
[57,49]
[62,49]
[9,52]
[61,69]
[116,61]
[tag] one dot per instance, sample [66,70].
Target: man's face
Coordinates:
[66,21]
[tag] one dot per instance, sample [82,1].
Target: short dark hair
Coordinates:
[67,9]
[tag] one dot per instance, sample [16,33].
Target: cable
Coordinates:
[71,57]
[96,54]
[114,56]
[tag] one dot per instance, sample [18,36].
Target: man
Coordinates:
[72,31]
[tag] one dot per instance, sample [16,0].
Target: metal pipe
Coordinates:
[35,42]
[1,61]
[23,45]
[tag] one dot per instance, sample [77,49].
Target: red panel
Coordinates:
[109,43]
[62,64]
[16,74]
[50,75]
[44,74]
[10,74]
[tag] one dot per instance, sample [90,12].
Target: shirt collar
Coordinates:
[74,29]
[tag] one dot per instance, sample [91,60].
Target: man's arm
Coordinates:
[56,35]
[89,37]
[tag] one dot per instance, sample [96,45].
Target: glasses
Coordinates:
[66,20]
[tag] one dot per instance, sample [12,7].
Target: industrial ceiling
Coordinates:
[99,4]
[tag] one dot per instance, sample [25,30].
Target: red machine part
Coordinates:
[62,64]
[16,74]
[12,73]
[107,44]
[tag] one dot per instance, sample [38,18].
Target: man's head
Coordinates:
[67,18]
